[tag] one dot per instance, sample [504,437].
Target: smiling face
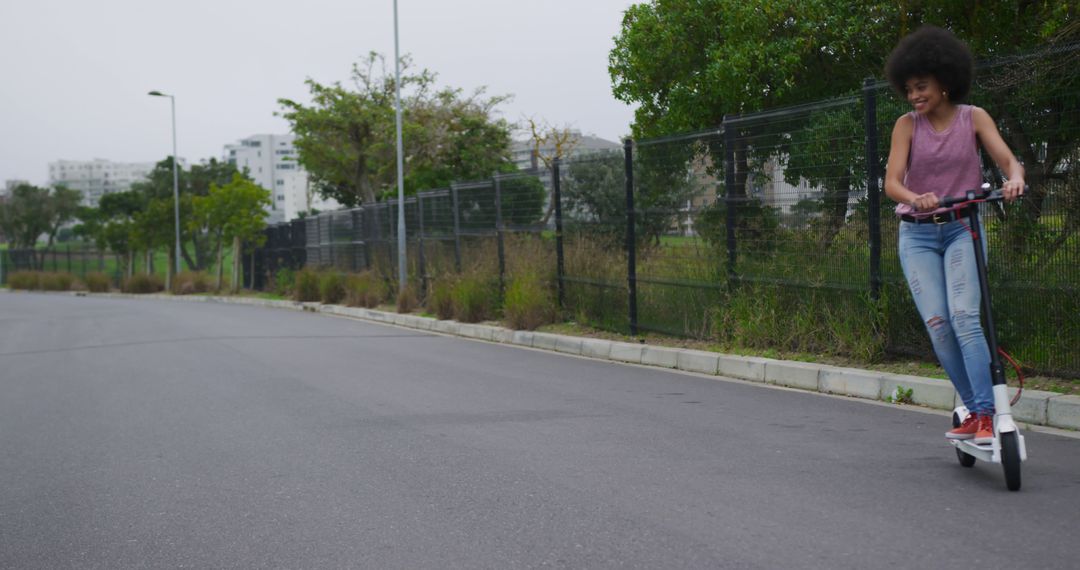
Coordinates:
[924,93]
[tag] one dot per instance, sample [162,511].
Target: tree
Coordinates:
[550,142]
[24,216]
[595,193]
[153,228]
[688,63]
[31,212]
[234,212]
[195,245]
[345,138]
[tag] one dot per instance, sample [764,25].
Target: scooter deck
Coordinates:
[989,452]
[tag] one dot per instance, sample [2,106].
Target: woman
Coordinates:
[935,155]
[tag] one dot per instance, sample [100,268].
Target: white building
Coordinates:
[95,178]
[270,160]
[525,154]
[527,157]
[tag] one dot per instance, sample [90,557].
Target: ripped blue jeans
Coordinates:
[939,264]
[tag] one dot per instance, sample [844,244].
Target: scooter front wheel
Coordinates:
[1010,460]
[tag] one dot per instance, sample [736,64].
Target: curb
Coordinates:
[1035,407]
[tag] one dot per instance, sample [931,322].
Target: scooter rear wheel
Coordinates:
[1010,460]
[965,459]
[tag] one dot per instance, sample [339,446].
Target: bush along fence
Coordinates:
[769,232]
[79,265]
[72,258]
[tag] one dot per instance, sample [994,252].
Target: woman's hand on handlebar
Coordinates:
[928,202]
[1012,189]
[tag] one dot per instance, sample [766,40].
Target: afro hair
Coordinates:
[936,52]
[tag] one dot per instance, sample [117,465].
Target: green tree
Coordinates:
[32,212]
[345,138]
[196,241]
[153,228]
[688,63]
[116,218]
[24,216]
[595,193]
[234,212]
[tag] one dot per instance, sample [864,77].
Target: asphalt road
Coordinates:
[154,434]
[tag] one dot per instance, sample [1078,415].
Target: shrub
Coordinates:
[56,281]
[142,283]
[284,280]
[364,290]
[528,304]
[97,282]
[191,282]
[440,299]
[25,280]
[306,288]
[474,298]
[331,287]
[406,300]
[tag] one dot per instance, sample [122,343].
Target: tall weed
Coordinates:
[441,298]
[407,300]
[364,289]
[331,287]
[190,283]
[56,281]
[528,303]
[475,298]
[97,282]
[142,283]
[307,286]
[24,280]
[284,281]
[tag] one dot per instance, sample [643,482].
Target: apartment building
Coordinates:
[97,177]
[270,160]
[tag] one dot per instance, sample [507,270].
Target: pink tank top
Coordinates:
[945,163]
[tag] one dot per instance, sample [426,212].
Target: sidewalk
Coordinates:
[1034,408]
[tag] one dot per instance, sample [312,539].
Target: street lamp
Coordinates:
[402,271]
[175,174]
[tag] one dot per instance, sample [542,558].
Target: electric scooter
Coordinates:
[1007,447]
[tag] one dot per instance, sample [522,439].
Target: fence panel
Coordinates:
[768,231]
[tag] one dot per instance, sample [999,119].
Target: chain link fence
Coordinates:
[770,231]
[75,258]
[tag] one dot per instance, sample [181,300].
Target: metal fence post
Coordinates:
[499,231]
[560,259]
[457,228]
[729,197]
[631,239]
[873,193]
[421,262]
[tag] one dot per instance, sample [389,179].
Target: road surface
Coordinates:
[156,434]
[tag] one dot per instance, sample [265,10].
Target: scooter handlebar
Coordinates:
[984,194]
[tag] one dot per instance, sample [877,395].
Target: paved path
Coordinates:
[148,434]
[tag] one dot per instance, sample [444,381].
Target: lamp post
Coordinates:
[402,270]
[175,174]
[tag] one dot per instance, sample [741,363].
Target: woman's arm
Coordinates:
[999,151]
[897,168]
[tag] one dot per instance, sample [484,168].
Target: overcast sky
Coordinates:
[74,73]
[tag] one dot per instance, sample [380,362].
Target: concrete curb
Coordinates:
[1035,407]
